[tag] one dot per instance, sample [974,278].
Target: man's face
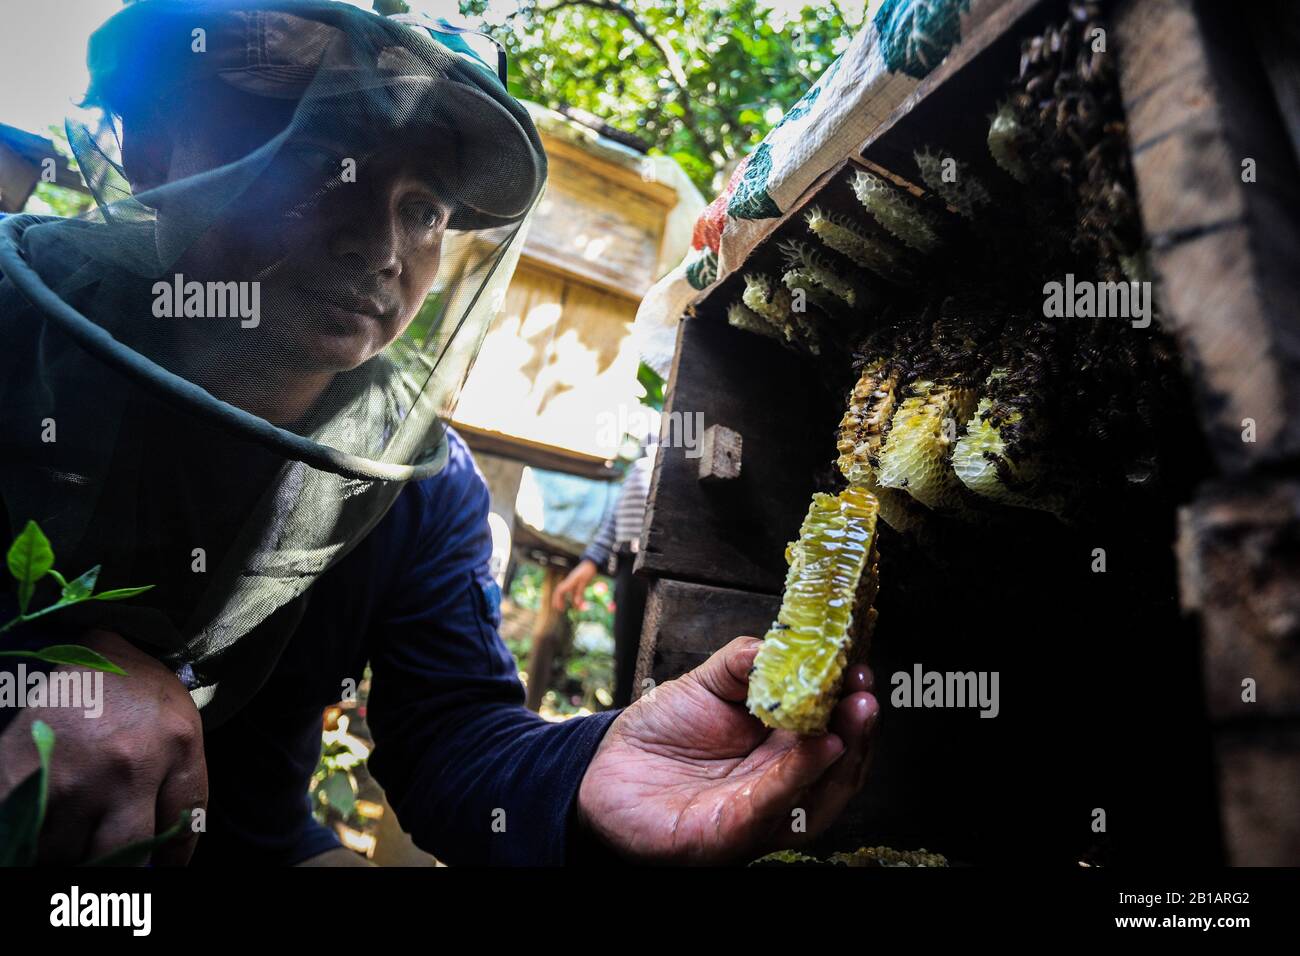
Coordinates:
[344,262]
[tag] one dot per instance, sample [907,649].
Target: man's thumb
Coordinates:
[726,673]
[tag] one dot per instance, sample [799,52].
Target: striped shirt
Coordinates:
[622,525]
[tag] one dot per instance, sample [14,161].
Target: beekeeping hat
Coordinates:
[217,381]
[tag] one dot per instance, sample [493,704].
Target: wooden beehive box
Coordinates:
[600,222]
[1121,691]
[560,350]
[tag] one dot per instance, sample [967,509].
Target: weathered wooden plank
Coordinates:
[18,178]
[1259,788]
[599,221]
[685,623]
[977,70]
[734,533]
[722,454]
[1277,33]
[1224,244]
[1239,564]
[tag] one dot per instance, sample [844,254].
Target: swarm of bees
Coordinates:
[966,397]
[1066,104]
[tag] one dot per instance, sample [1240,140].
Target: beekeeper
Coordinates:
[232,382]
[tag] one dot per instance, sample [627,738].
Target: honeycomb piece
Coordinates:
[980,461]
[825,614]
[887,856]
[1008,143]
[774,304]
[862,433]
[866,420]
[901,215]
[817,276]
[919,445]
[978,453]
[787,857]
[896,509]
[861,857]
[956,185]
[743,317]
[842,235]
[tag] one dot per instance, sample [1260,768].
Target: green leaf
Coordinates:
[43,735]
[120,594]
[341,792]
[30,558]
[81,588]
[23,811]
[73,655]
[138,853]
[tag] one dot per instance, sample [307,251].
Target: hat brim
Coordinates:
[495,174]
[500,166]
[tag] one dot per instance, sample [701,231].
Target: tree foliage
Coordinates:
[699,80]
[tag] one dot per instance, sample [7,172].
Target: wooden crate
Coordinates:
[1201,765]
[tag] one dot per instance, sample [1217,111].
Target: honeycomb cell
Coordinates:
[898,213]
[825,614]
[962,190]
[1008,144]
[847,238]
[917,452]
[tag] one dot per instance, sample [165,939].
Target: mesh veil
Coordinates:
[306,218]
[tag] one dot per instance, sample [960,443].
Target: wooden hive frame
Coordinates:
[1223,251]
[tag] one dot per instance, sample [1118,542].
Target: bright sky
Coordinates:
[43,57]
[43,51]
[43,54]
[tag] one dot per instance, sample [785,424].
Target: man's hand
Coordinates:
[574,585]
[122,776]
[687,775]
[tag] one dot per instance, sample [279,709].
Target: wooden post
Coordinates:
[546,637]
[720,454]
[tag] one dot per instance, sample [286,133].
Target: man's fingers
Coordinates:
[66,833]
[561,596]
[853,720]
[726,673]
[18,756]
[777,792]
[127,822]
[858,678]
[185,788]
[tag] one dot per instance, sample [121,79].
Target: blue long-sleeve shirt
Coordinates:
[474,776]
[455,749]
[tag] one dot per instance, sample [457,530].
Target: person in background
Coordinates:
[613,550]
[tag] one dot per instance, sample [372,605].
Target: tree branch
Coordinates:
[666,53]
